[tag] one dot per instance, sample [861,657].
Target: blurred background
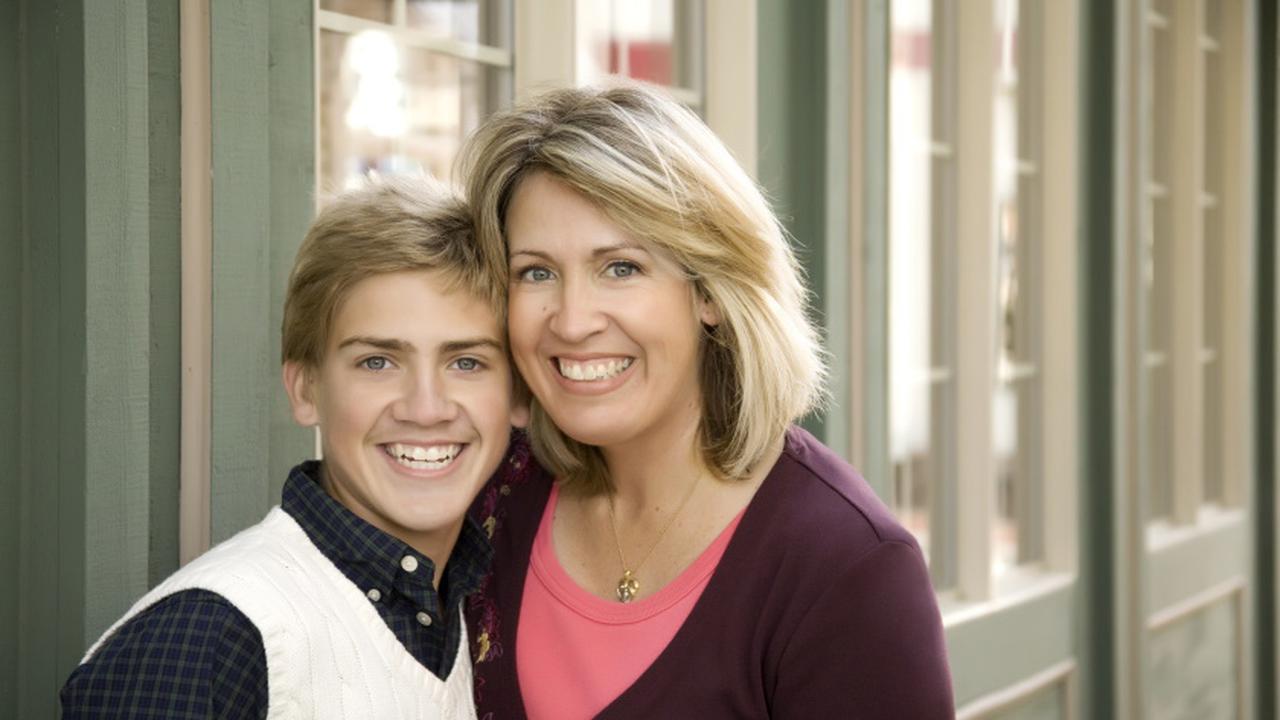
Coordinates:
[1041,236]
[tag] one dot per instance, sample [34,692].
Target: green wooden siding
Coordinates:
[50,502]
[1098,515]
[1268,444]
[791,85]
[263,176]
[10,355]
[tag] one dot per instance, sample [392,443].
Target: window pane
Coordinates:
[658,41]
[1016,408]
[486,22]
[379,10]
[921,383]
[392,109]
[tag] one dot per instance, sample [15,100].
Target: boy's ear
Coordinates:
[297,384]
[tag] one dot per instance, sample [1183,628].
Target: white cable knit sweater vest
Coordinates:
[329,654]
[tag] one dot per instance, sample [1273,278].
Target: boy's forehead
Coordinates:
[418,307]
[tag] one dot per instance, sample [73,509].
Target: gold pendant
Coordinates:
[628,586]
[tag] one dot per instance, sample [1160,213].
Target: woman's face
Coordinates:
[604,330]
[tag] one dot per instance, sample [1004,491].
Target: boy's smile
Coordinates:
[413,401]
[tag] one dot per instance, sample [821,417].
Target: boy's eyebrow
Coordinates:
[389,344]
[453,346]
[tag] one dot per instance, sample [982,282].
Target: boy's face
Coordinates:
[413,401]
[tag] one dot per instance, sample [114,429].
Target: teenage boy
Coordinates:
[345,601]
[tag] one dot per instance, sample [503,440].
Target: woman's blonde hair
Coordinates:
[653,168]
[386,225]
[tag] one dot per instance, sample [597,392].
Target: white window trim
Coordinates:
[545,58]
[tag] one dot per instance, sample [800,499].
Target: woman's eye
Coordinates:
[622,269]
[375,363]
[535,274]
[468,364]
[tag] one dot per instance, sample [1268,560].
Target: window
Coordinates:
[402,82]
[981,298]
[921,242]
[1193,303]
[1018,497]
[659,41]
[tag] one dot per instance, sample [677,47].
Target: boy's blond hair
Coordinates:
[386,225]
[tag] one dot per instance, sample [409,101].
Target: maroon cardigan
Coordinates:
[820,607]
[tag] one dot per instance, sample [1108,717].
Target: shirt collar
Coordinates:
[348,541]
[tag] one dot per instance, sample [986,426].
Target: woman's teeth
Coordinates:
[423,457]
[592,371]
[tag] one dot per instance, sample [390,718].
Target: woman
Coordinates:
[679,548]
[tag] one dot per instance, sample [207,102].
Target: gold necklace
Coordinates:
[628,585]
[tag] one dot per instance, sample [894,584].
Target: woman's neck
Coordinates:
[657,469]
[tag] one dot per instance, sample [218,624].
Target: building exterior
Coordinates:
[1041,236]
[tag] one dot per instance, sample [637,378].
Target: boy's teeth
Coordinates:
[591,371]
[423,456]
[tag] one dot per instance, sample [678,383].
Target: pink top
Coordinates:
[568,640]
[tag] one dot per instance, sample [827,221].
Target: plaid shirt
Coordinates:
[194,655]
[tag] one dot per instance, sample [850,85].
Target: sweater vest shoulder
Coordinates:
[329,653]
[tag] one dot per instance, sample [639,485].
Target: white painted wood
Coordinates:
[545,45]
[194,527]
[1238,232]
[1008,698]
[338,22]
[1060,441]
[1130,220]
[730,87]
[1186,300]
[975,299]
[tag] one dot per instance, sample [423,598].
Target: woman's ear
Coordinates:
[708,312]
[297,385]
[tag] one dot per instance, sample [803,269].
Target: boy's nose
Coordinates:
[425,401]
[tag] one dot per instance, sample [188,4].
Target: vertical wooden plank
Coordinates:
[242,359]
[1060,438]
[292,106]
[975,298]
[1187,331]
[117,308]
[837,303]
[50,578]
[164,229]
[1124,536]
[544,42]
[731,69]
[1238,170]
[791,158]
[11,309]
[871,102]
[1239,247]
[196,297]
[1267,450]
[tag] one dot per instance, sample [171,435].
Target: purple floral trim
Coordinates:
[518,467]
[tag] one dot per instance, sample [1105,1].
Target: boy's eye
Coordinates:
[622,269]
[534,274]
[375,363]
[468,364]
